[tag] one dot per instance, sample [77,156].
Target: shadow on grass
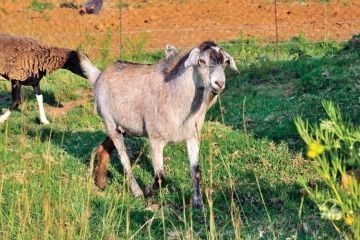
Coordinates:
[281,203]
[49,97]
[81,144]
[278,91]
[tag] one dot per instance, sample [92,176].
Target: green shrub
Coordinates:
[40,6]
[334,146]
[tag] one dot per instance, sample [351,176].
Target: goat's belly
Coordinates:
[131,124]
[134,132]
[132,129]
[177,133]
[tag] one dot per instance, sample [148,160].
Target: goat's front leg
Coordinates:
[40,100]
[15,100]
[193,154]
[157,149]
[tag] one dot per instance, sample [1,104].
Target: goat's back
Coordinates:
[123,92]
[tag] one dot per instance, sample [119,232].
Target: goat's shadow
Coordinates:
[251,206]
[81,145]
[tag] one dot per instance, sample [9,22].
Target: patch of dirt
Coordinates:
[67,106]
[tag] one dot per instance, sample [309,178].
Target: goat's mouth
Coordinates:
[216,89]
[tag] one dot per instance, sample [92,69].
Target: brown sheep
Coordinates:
[24,61]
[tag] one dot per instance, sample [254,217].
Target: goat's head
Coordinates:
[210,62]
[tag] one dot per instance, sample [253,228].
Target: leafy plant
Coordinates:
[334,146]
[39,6]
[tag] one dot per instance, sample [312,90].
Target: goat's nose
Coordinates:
[219,83]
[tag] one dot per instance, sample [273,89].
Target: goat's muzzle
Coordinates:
[217,87]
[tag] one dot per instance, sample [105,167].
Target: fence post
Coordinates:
[276,30]
[121,29]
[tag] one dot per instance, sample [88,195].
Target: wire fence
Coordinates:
[126,26]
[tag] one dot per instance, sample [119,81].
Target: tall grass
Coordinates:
[46,186]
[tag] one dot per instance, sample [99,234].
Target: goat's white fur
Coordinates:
[146,100]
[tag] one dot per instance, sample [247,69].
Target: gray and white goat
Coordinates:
[165,102]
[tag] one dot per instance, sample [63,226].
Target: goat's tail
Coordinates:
[89,70]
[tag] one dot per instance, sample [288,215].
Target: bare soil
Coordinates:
[181,23]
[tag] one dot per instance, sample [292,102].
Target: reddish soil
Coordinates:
[181,23]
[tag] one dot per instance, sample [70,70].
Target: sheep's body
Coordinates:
[24,61]
[22,58]
[165,102]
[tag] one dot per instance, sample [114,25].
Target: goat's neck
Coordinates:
[193,97]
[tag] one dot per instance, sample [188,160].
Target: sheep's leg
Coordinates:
[40,100]
[104,152]
[15,100]
[118,140]
[193,154]
[157,148]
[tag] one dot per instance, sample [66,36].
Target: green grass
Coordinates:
[40,6]
[46,190]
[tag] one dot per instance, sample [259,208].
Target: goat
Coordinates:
[24,61]
[165,102]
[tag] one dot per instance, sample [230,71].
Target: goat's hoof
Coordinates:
[150,191]
[135,188]
[137,192]
[197,203]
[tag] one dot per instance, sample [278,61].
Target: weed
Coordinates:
[40,6]
[334,146]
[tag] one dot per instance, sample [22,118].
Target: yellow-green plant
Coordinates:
[334,147]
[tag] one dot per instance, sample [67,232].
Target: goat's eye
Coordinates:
[202,62]
[227,62]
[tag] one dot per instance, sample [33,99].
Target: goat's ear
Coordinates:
[192,60]
[231,61]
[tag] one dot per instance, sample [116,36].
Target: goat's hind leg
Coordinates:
[157,149]
[118,140]
[103,152]
[15,100]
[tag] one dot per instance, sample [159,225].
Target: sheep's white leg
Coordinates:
[192,146]
[118,140]
[157,149]
[5,116]
[40,101]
